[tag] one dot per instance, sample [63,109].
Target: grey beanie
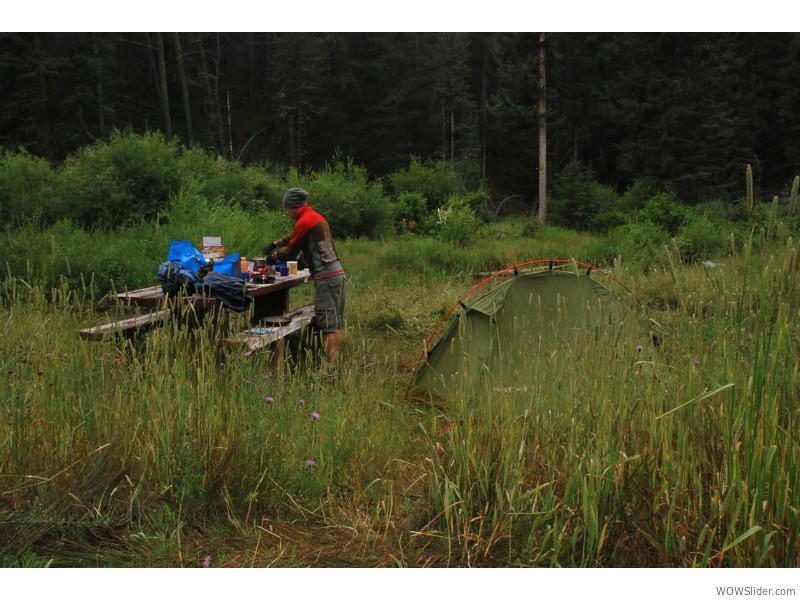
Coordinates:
[295,198]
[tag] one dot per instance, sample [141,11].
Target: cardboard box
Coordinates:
[213,247]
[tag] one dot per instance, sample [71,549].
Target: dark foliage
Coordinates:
[685,112]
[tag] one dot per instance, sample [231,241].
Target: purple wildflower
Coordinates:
[311,463]
[638,347]
[316,416]
[302,402]
[248,353]
[207,561]
[696,362]
[269,399]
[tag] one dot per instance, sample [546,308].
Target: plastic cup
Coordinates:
[292,264]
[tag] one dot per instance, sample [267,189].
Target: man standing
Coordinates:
[312,236]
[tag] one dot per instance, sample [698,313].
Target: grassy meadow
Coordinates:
[162,452]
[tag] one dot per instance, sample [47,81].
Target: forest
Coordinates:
[682,112]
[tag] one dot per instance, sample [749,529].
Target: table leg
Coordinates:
[278,359]
[270,305]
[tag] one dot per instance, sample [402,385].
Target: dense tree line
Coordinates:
[685,112]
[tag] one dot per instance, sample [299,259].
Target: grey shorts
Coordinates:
[329,303]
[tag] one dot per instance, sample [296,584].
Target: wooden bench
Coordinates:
[107,329]
[274,335]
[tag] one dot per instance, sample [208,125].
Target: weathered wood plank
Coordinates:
[101,331]
[262,337]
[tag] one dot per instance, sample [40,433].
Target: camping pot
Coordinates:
[259,263]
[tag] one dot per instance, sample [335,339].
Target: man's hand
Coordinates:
[269,248]
[271,258]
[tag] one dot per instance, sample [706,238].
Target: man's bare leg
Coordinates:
[330,342]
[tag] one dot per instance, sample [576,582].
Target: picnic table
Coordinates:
[269,299]
[270,319]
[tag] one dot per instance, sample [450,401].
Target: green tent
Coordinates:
[499,342]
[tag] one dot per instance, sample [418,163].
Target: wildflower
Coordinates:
[311,463]
[316,416]
[207,561]
[248,353]
[638,347]
[744,361]
[302,402]
[696,362]
[269,399]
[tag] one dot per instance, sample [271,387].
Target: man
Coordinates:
[312,236]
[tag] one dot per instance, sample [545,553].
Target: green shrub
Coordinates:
[636,195]
[666,212]
[126,178]
[115,182]
[457,224]
[435,180]
[477,202]
[410,209]
[26,188]
[582,203]
[220,179]
[641,244]
[607,212]
[702,238]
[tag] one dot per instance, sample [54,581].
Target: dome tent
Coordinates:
[499,341]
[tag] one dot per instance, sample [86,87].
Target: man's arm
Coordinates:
[270,248]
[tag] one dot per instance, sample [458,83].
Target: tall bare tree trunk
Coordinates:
[230,125]
[251,61]
[444,133]
[294,156]
[187,109]
[484,116]
[297,130]
[452,136]
[211,100]
[542,134]
[163,95]
[99,72]
[217,105]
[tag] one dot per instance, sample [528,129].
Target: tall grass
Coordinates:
[162,450]
[685,459]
